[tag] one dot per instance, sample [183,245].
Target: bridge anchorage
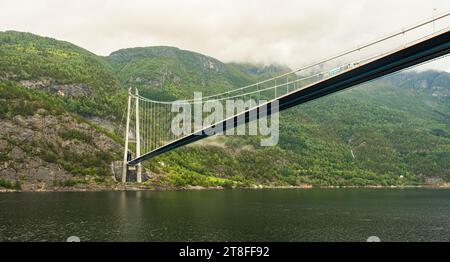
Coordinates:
[148,131]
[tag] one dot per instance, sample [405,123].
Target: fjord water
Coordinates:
[229,215]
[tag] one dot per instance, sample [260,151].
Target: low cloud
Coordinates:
[287,32]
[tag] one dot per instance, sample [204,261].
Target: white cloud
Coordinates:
[286,32]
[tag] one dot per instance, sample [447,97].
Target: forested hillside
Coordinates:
[53,95]
[61,110]
[166,73]
[82,80]
[375,134]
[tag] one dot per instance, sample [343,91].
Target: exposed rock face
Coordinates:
[16,153]
[74,90]
[69,90]
[434,82]
[434,181]
[3,145]
[26,144]
[212,65]
[106,124]
[165,76]
[38,84]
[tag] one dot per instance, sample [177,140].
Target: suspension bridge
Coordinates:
[148,131]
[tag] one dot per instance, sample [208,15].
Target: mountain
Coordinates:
[61,108]
[51,95]
[167,73]
[82,80]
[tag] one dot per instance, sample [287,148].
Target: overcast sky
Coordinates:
[290,32]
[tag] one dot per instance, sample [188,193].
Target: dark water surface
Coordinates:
[230,215]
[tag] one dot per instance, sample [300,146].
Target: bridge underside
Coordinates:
[425,50]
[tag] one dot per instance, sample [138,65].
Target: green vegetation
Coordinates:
[19,101]
[394,131]
[48,64]
[380,133]
[68,182]
[14,185]
[24,102]
[70,134]
[166,73]
[93,164]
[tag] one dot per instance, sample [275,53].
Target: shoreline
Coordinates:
[137,188]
